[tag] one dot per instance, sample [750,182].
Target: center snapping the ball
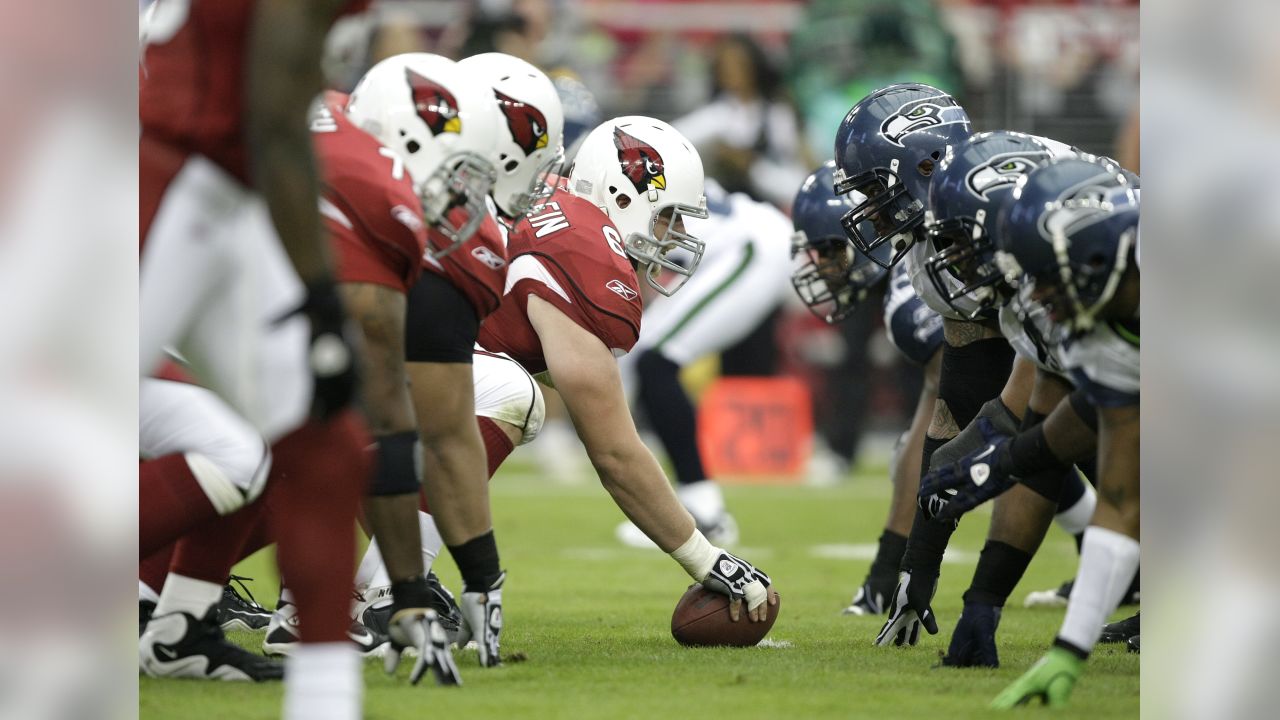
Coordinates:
[701,618]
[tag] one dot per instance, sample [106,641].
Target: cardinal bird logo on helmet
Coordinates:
[436,106]
[527,124]
[640,162]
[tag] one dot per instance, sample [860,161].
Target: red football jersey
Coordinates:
[478,269]
[569,254]
[191,80]
[367,200]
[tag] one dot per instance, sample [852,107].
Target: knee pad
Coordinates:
[398,467]
[970,438]
[973,374]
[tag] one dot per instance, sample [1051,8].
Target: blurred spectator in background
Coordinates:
[748,135]
[844,49]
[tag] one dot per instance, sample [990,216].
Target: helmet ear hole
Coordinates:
[412,146]
[511,165]
[623,201]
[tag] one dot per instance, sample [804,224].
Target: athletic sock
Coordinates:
[209,551]
[477,561]
[170,501]
[1107,565]
[153,568]
[372,572]
[322,681]
[671,413]
[888,555]
[1076,506]
[497,446]
[188,595]
[1000,567]
[324,471]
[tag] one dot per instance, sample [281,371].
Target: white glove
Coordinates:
[482,621]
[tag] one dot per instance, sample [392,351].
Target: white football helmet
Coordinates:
[530,141]
[645,176]
[442,123]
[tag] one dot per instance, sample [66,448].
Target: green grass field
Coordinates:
[592,618]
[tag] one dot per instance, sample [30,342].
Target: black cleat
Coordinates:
[376,618]
[284,634]
[1060,596]
[237,612]
[1121,630]
[182,646]
[873,595]
[1134,644]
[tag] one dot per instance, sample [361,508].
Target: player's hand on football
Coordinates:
[331,353]
[482,621]
[741,581]
[909,609]
[949,491]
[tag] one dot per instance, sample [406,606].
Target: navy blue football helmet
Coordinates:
[886,149]
[973,181]
[1069,234]
[830,275]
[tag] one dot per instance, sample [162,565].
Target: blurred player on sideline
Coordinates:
[742,278]
[235,275]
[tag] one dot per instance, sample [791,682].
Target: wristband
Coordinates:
[696,555]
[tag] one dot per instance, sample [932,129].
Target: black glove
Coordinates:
[973,644]
[331,354]
[949,491]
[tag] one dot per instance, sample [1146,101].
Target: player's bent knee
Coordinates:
[232,475]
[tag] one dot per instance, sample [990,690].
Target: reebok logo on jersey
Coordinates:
[407,217]
[436,106]
[640,162]
[618,287]
[488,257]
[527,124]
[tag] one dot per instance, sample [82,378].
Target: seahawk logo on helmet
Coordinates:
[1081,207]
[527,123]
[435,105]
[920,115]
[640,162]
[1000,172]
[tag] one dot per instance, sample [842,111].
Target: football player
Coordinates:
[831,278]
[741,279]
[973,182]
[573,305]
[1071,236]
[409,102]
[234,271]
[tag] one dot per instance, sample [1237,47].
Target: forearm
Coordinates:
[906,472]
[284,79]
[385,398]
[635,480]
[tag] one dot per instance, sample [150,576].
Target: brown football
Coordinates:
[702,618]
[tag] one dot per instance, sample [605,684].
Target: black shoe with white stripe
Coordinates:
[183,646]
[284,634]
[238,612]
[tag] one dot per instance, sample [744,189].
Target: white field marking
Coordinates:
[769,643]
[615,553]
[867,551]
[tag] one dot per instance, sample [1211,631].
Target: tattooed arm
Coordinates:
[959,333]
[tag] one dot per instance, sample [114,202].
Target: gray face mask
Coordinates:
[453,199]
[651,251]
